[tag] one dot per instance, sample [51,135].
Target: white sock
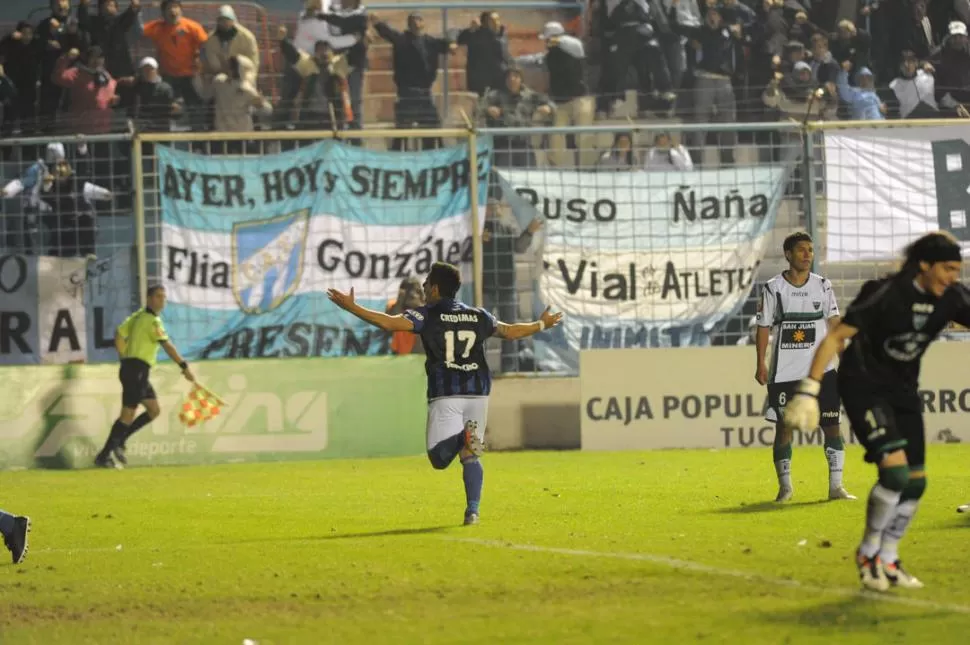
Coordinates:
[783,470]
[880,510]
[893,533]
[836,459]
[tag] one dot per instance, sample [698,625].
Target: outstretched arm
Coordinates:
[515,331]
[377,318]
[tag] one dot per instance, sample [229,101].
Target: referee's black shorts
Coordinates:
[135,386]
[883,424]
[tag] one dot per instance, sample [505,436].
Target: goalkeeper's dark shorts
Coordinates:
[883,425]
[135,386]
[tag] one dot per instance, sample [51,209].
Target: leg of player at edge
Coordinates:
[834,447]
[15,529]
[781,452]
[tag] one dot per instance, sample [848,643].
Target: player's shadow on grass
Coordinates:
[426,530]
[767,507]
[848,613]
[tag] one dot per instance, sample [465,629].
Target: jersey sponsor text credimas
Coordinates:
[454,336]
[798,317]
[896,323]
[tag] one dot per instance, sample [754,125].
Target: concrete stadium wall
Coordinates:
[534,413]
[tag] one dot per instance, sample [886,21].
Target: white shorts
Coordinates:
[447,417]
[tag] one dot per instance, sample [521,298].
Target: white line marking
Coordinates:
[697,567]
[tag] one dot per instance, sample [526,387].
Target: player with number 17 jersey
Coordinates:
[454,336]
[459,380]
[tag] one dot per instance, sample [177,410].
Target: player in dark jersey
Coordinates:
[891,323]
[459,380]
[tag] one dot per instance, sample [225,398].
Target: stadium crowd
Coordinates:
[93,67]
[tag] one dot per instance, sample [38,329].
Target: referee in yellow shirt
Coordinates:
[137,340]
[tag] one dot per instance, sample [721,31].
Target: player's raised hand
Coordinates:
[550,319]
[802,411]
[341,299]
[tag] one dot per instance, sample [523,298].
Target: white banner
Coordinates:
[885,188]
[61,319]
[643,259]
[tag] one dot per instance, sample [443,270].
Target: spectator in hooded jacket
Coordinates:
[488,53]
[236,97]
[565,60]
[227,40]
[515,106]
[863,102]
[109,29]
[914,90]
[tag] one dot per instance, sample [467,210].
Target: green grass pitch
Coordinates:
[663,547]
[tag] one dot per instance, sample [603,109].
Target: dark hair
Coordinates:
[792,240]
[938,246]
[152,290]
[321,43]
[446,277]
[166,3]
[95,51]
[23,24]
[513,71]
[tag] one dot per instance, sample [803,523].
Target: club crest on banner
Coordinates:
[267,260]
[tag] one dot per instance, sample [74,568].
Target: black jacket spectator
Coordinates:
[47,49]
[719,50]
[488,53]
[18,56]
[953,74]
[110,32]
[416,56]
[851,44]
[154,100]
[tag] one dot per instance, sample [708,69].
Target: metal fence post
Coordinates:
[140,196]
[473,188]
[809,192]
[447,70]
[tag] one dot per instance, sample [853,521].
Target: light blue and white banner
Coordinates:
[251,245]
[644,259]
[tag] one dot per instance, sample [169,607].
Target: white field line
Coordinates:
[696,567]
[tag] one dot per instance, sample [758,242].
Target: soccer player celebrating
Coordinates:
[459,380]
[800,307]
[137,340]
[14,529]
[891,323]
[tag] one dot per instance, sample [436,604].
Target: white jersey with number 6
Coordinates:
[798,317]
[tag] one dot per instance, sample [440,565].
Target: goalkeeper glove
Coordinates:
[802,411]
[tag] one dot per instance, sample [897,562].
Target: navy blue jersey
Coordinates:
[454,336]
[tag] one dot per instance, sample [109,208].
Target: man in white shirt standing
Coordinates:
[800,307]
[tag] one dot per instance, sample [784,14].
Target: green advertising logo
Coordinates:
[276,410]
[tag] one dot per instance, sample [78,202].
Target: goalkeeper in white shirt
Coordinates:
[799,307]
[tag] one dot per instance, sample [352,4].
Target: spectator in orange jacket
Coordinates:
[178,41]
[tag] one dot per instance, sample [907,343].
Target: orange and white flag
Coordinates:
[200,405]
